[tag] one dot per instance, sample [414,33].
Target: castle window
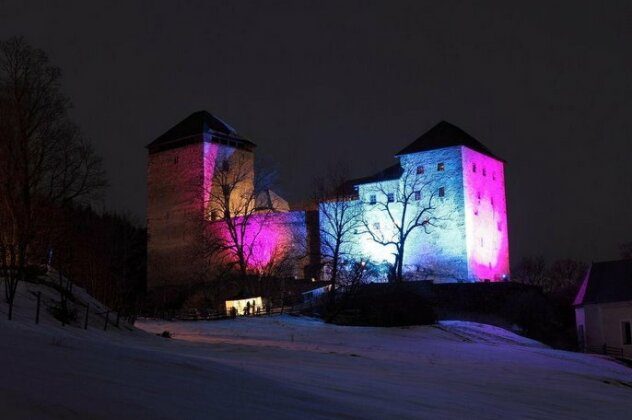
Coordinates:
[473,167]
[442,192]
[440,167]
[475,212]
[372,199]
[481,242]
[499,226]
[484,172]
[492,201]
[225,165]
[417,195]
[494,176]
[420,170]
[478,194]
[390,197]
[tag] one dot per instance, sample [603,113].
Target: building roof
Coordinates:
[444,135]
[192,128]
[606,282]
[389,174]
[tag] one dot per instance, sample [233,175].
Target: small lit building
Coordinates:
[245,305]
[603,309]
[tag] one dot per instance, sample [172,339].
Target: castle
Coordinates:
[206,209]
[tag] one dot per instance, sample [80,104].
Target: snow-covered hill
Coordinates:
[289,367]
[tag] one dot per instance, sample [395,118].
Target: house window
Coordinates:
[473,167]
[225,165]
[627,332]
[372,199]
[417,195]
[420,170]
[440,167]
[390,197]
[442,192]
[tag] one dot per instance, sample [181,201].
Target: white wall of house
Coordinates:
[603,324]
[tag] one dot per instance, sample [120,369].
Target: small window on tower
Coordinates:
[484,172]
[390,197]
[420,170]
[499,226]
[478,194]
[492,201]
[440,167]
[417,195]
[494,176]
[442,192]
[473,167]
[372,199]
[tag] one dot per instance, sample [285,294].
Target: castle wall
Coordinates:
[440,254]
[174,209]
[273,243]
[485,216]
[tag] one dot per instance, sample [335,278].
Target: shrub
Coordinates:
[389,306]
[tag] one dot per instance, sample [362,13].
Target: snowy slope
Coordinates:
[288,367]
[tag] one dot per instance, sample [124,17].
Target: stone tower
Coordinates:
[467,185]
[181,166]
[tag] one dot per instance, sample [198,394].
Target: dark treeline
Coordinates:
[49,176]
[103,253]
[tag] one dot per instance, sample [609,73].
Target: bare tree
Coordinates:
[339,214]
[231,203]
[532,271]
[401,207]
[44,160]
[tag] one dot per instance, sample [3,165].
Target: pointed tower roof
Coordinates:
[194,127]
[443,135]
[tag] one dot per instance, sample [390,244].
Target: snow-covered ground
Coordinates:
[289,367]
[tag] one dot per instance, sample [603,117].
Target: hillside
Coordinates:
[289,367]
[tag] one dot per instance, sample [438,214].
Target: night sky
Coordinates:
[546,87]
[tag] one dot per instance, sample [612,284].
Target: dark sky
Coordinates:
[546,86]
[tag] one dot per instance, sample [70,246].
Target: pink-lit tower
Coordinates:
[476,244]
[179,175]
